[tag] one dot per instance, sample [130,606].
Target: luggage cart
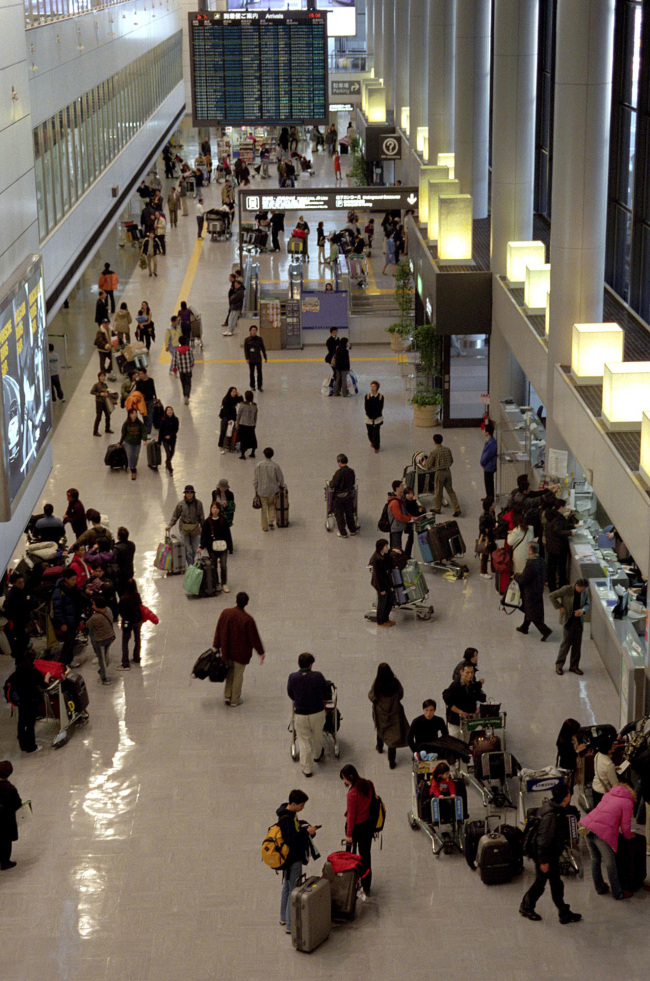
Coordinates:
[61,707]
[539,782]
[196,328]
[441,818]
[218,225]
[330,728]
[441,545]
[330,521]
[409,597]
[297,249]
[492,778]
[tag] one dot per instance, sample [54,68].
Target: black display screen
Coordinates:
[253,67]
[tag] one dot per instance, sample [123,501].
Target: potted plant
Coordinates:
[427,399]
[358,171]
[403,326]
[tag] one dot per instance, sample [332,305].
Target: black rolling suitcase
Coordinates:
[631,862]
[209,582]
[154,455]
[445,541]
[494,859]
[75,689]
[282,508]
[115,457]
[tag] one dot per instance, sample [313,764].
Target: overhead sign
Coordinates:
[391,147]
[362,198]
[341,107]
[345,87]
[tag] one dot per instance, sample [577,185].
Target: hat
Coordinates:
[6,769]
[223,483]
[188,489]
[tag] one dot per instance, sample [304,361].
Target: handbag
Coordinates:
[512,597]
[201,668]
[163,560]
[142,261]
[24,814]
[219,546]
[193,579]
[257,502]
[190,528]
[481,546]
[230,427]
[218,670]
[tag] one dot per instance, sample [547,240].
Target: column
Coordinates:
[472,100]
[400,25]
[442,47]
[583,89]
[370,29]
[417,66]
[513,125]
[389,56]
[379,39]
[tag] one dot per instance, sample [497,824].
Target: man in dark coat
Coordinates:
[531,582]
[9,803]
[27,685]
[382,581]
[101,309]
[550,842]
[236,636]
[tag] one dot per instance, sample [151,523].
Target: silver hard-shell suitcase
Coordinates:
[178,557]
[311,913]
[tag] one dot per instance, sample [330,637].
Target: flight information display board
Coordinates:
[258,67]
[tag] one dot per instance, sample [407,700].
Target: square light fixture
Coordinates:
[377,104]
[537,283]
[434,190]
[448,160]
[366,85]
[644,465]
[421,135]
[428,172]
[455,228]
[405,120]
[522,254]
[626,395]
[591,346]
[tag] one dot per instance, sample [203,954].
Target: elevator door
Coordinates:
[465,369]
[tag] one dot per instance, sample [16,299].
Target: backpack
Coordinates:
[529,843]
[377,814]
[384,521]
[275,850]
[10,691]
[501,560]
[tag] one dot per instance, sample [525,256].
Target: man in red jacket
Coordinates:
[236,637]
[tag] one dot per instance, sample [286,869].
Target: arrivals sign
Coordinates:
[361,198]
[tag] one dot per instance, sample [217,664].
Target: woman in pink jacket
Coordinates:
[611,815]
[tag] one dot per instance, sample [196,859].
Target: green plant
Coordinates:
[404,299]
[358,172]
[426,396]
[428,345]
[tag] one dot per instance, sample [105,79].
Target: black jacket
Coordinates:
[558,533]
[381,578]
[124,552]
[101,311]
[236,301]
[296,838]
[552,833]
[486,526]
[532,581]
[9,803]
[342,358]
[343,480]
[215,531]
[229,407]
[331,344]
[254,350]
[374,406]
[308,690]
[168,427]
[425,731]
[463,697]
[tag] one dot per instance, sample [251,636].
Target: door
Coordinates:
[465,370]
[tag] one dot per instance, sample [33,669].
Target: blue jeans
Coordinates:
[191,543]
[101,648]
[132,454]
[290,878]
[600,852]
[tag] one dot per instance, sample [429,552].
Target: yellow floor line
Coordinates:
[393,357]
[186,286]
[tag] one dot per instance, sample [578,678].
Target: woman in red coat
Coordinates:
[359,828]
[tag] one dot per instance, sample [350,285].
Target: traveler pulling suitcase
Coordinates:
[282,508]
[116,457]
[311,913]
[631,862]
[153,454]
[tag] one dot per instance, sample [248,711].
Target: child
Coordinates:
[9,803]
[414,509]
[102,634]
[54,374]
[337,167]
[441,783]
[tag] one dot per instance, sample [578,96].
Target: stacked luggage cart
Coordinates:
[219,224]
[441,818]
[410,593]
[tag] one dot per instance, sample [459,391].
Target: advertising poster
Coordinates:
[26,408]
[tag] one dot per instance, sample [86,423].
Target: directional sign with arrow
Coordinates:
[345,87]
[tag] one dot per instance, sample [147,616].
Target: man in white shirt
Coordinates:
[267,481]
[200,217]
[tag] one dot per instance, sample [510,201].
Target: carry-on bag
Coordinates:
[511,600]
[193,578]
[343,887]
[163,559]
[425,548]
[153,454]
[75,689]
[484,744]
[311,913]
[115,457]
[494,859]
[631,862]
[209,581]
[282,507]
[178,557]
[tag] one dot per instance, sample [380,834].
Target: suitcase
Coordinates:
[484,744]
[515,838]
[446,540]
[631,862]
[474,831]
[261,239]
[299,233]
[425,548]
[494,859]
[501,582]
[209,582]
[154,455]
[178,557]
[196,326]
[494,765]
[311,913]
[115,457]
[75,688]
[282,508]
[343,888]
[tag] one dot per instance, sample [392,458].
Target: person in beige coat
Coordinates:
[122,324]
[173,204]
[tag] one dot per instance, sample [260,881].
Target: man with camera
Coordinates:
[298,836]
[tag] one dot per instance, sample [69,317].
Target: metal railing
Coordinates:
[347,62]
[39,12]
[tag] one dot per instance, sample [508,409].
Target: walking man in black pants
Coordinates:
[277,226]
[550,841]
[573,603]
[254,351]
[342,484]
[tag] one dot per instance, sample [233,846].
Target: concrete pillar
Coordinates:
[389,56]
[442,47]
[400,25]
[507,380]
[379,39]
[583,90]
[513,126]
[472,100]
[370,29]
[417,66]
